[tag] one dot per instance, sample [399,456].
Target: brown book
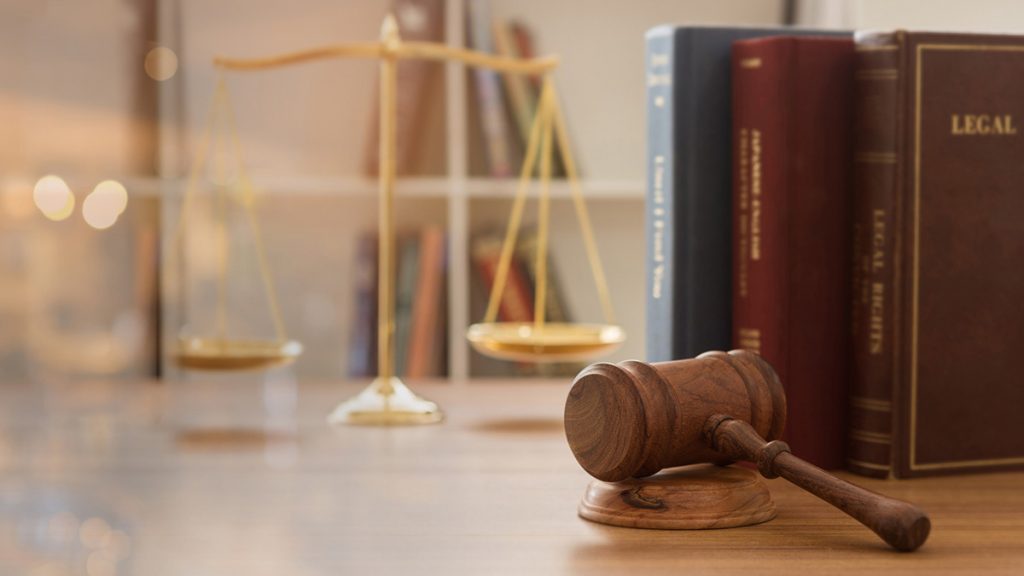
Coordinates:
[792,107]
[420,92]
[937,318]
[424,340]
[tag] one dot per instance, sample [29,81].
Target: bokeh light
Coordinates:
[94,533]
[161,63]
[100,564]
[53,197]
[104,204]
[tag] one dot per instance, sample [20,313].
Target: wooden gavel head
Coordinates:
[633,419]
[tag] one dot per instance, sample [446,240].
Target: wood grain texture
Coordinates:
[697,497]
[632,419]
[494,490]
[901,524]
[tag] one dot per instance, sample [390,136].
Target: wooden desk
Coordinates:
[492,491]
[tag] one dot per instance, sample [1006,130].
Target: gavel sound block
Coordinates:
[627,421]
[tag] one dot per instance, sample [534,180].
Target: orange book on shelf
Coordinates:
[426,311]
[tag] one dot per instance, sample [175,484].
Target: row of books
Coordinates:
[420,303]
[421,331]
[847,206]
[502,107]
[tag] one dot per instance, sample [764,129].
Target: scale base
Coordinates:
[697,497]
[386,403]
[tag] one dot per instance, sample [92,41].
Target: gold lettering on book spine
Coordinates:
[743,223]
[750,63]
[755,194]
[750,339]
[876,323]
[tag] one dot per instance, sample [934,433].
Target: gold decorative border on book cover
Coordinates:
[915,276]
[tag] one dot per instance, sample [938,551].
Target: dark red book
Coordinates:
[792,109]
[516,304]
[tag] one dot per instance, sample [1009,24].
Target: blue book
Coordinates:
[362,349]
[689,187]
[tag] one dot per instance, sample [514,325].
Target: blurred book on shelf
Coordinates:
[502,106]
[513,39]
[494,116]
[517,299]
[424,343]
[420,96]
[362,344]
[420,305]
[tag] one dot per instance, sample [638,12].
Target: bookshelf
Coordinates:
[320,201]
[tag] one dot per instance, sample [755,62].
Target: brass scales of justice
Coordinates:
[387,400]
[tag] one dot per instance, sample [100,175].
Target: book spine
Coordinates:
[405,293]
[760,196]
[493,120]
[792,106]
[878,158]
[515,304]
[439,363]
[522,46]
[660,225]
[555,305]
[362,355]
[426,304]
[518,90]
[418,21]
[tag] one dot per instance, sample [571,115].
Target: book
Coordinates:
[419,92]
[937,318]
[362,347]
[406,276]
[792,111]
[556,306]
[426,307]
[441,349]
[516,304]
[490,100]
[689,188]
[523,43]
[514,40]
[520,93]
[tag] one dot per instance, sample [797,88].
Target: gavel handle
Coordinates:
[901,524]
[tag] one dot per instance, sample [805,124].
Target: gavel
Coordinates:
[632,419]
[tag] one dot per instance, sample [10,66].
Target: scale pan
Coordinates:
[229,355]
[526,342]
